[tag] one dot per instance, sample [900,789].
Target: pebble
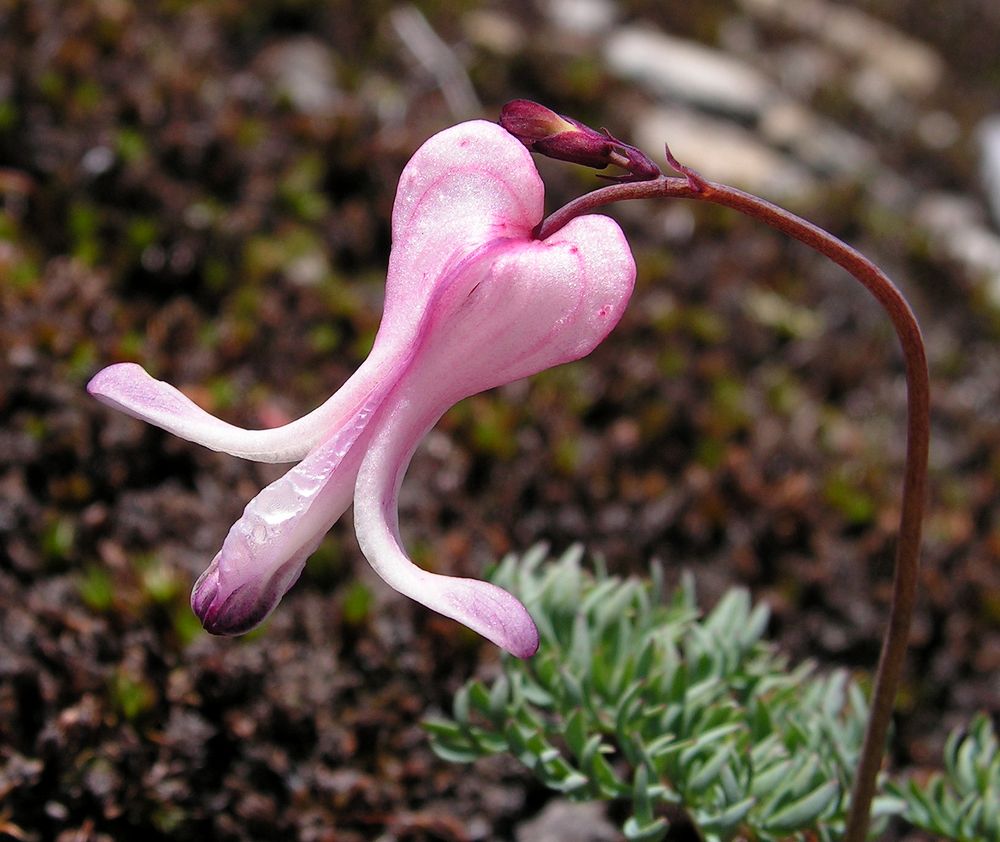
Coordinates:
[911,67]
[722,151]
[956,230]
[494,31]
[989,158]
[565,821]
[302,70]
[822,145]
[582,17]
[678,70]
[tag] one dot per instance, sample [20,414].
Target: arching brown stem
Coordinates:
[890,666]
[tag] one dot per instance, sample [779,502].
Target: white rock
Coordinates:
[910,66]
[804,67]
[676,69]
[956,230]
[302,70]
[494,31]
[938,129]
[98,160]
[822,145]
[989,156]
[582,17]
[722,151]
[565,821]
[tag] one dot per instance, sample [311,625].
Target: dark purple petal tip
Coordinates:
[246,606]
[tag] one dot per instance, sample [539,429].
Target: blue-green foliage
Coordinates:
[634,695]
[963,803]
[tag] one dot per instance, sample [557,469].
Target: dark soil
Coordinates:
[163,201]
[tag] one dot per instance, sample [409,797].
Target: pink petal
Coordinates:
[518,307]
[524,306]
[463,188]
[491,611]
[266,549]
[130,389]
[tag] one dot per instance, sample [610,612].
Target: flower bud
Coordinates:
[543,131]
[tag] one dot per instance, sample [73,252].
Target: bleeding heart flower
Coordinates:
[472,301]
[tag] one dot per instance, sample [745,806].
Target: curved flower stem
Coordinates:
[891,661]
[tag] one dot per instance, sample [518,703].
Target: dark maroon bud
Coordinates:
[565,139]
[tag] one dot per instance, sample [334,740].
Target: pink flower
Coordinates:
[472,301]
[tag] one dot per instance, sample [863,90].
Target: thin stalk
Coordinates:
[895,642]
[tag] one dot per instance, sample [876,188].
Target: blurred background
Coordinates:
[205,188]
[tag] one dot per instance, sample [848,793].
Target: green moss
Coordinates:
[58,539]
[672,362]
[52,85]
[493,423]
[160,583]
[82,362]
[356,604]
[362,345]
[787,318]
[131,696]
[24,274]
[849,499]
[141,232]
[185,623]
[324,338]
[97,589]
[8,115]
[84,226]
[35,427]
[302,188]
[729,402]
[132,345]
[653,266]
[87,96]
[224,392]
[566,455]
[710,452]
[251,133]
[704,324]
[784,393]
[325,564]
[216,274]
[583,74]
[131,146]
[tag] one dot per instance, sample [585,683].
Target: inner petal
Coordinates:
[266,549]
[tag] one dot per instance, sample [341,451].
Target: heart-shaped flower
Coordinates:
[472,301]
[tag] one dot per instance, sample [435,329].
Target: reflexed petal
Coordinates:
[491,611]
[266,549]
[130,389]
